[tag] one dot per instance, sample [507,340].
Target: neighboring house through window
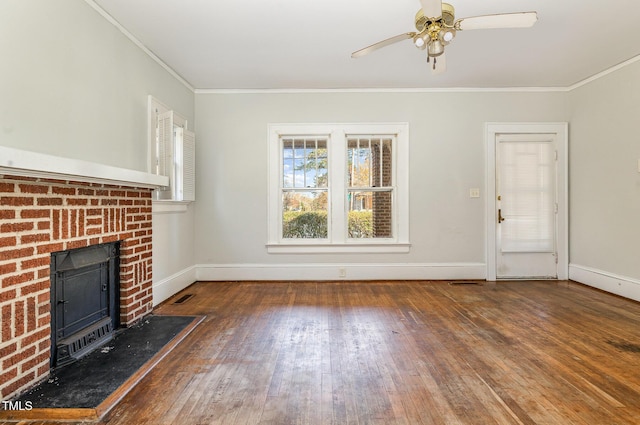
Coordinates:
[338,188]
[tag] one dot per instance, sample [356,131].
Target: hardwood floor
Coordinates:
[395,353]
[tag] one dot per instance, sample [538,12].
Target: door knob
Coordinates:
[500,217]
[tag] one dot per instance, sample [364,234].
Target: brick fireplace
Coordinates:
[40,216]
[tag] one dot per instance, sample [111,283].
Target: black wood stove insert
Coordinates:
[84,300]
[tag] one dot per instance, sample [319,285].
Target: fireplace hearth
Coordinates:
[84,300]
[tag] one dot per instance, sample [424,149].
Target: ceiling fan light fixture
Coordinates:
[435,48]
[446,35]
[420,40]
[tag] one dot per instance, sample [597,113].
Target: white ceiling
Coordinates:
[306,44]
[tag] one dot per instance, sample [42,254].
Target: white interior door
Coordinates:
[527,206]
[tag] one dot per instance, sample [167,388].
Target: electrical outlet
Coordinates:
[342,272]
[474,192]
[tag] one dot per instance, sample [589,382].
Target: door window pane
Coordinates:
[528,196]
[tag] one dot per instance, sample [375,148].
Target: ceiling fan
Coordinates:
[436,27]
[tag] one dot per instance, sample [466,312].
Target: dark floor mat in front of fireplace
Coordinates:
[87,382]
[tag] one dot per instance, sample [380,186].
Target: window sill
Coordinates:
[353,248]
[165,207]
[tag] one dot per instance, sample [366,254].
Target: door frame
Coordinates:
[561,130]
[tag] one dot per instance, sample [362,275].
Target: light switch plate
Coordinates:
[474,192]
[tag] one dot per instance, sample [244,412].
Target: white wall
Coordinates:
[605,182]
[72,85]
[447,149]
[173,254]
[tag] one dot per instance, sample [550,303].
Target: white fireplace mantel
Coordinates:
[23,163]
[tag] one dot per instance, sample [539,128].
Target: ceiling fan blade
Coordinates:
[438,64]
[502,20]
[381,44]
[432,8]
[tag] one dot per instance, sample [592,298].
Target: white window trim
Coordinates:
[339,242]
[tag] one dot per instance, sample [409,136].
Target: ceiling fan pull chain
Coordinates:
[434,63]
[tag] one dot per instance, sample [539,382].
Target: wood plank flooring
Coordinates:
[530,352]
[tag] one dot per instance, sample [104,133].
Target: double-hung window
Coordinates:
[338,188]
[370,188]
[305,188]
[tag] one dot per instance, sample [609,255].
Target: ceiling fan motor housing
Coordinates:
[448,17]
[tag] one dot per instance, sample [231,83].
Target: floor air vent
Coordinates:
[84,341]
[183,299]
[465,282]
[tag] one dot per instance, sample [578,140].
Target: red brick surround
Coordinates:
[41,216]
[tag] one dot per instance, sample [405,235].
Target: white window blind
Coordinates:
[527,196]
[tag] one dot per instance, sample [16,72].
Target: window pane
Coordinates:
[370,214]
[304,214]
[298,146]
[381,155]
[359,162]
[310,164]
[287,148]
[369,162]
[321,164]
[298,172]
[304,163]
[287,173]
[287,163]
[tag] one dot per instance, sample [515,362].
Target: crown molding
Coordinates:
[386,90]
[604,73]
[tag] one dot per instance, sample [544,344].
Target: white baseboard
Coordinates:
[165,288]
[609,282]
[360,271]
